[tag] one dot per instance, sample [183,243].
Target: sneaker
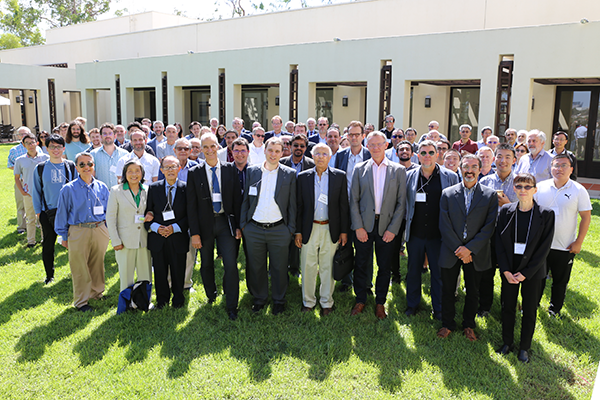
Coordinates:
[48,280]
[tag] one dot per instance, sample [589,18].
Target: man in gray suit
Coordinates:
[424,189]
[377,205]
[467,220]
[268,221]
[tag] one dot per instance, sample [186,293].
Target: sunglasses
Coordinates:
[526,187]
[257,135]
[88,164]
[424,153]
[182,148]
[299,145]
[397,137]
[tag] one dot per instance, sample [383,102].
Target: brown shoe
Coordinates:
[358,308]
[306,309]
[380,311]
[444,333]
[327,311]
[470,334]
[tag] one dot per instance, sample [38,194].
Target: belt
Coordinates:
[268,224]
[321,222]
[91,225]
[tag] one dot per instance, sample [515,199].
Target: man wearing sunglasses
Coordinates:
[396,137]
[389,130]
[257,147]
[81,222]
[424,186]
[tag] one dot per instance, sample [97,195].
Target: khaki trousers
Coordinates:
[87,247]
[20,209]
[31,219]
[316,257]
[131,260]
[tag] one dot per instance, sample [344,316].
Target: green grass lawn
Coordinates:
[50,350]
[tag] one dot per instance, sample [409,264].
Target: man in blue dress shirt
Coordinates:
[80,221]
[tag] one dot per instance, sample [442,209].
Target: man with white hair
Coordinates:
[432,126]
[167,148]
[311,124]
[320,227]
[289,127]
[538,161]
[214,124]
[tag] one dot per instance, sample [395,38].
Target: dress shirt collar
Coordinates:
[385,162]
[264,169]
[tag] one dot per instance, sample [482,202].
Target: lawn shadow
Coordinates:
[136,330]
[589,258]
[33,344]
[571,336]
[578,305]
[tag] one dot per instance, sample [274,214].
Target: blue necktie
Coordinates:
[215,189]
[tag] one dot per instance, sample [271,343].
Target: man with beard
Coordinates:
[76,140]
[538,161]
[467,219]
[107,157]
[333,141]
[404,151]
[167,148]
[322,125]
[159,136]
[396,137]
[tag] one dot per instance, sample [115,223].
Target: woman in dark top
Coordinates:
[524,234]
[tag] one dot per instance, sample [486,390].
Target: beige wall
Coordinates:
[439,111]
[356,105]
[543,113]
[441,16]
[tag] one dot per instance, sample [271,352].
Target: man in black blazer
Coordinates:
[214,203]
[321,227]
[168,239]
[277,124]
[268,219]
[299,162]
[346,159]
[467,219]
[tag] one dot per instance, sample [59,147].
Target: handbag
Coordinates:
[343,261]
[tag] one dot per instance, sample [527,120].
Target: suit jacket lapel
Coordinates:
[129,197]
[477,196]
[369,172]
[387,183]
[461,199]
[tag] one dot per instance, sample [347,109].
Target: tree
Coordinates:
[20,19]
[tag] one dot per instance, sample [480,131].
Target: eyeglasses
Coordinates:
[354,134]
[87,164]
[526,187]
[494,142]
[321,155]
[561,166]
[376,145]
[440,149]
[302,146]
[521,151]
[465,131]
[182,148]
[196,147]
[322,124]
[431,126]
[29,143]
[55,147]
[239,151]
[397,137]
[424,153]
[171,168]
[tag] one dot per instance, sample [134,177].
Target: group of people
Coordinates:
[160,197]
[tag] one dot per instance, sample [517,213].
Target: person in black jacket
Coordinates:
[524,233]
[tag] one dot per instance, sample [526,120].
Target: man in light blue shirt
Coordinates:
[81,222]
[538,161]
[107,156]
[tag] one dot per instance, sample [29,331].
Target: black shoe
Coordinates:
[177,306]
[159,307]
[85,308]
[505,349]
[278,308]
[211,300]
[410,311]
[344,288]
[30,245]
[523,356]
[396,279]
[295,273]
[257,307]
[483,314]
[554,314]
[232,315]
[48,280]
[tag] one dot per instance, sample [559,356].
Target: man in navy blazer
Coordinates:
[424,186]
[214,206]
[268,219]
[467,219]
[168,239]
[322,223]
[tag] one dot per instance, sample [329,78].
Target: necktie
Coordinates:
[215,189]
[170,196]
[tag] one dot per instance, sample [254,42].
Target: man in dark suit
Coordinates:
[377,205]
[299,162]
[467,219]
[168,239]
[320,227]
[346,159]
[214,203]
[268,219]
[277,124]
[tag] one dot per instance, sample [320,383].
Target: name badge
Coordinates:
[323,198]
[520,248]
[113,169]
[421,197]
[556,211]
[98,210]
[252,191]
[216,197]
[168,215]
[139,219]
